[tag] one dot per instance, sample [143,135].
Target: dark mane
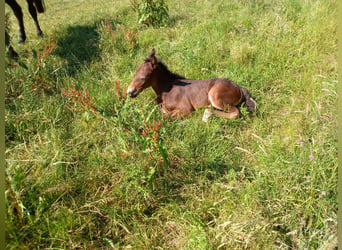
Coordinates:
[165,69]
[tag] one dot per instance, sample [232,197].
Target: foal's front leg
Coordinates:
[174,114]
[170,111]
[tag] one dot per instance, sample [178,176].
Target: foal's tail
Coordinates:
[250,103]
[40,5]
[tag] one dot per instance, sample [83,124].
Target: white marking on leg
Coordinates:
[206,115]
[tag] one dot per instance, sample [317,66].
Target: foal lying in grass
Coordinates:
[179,96]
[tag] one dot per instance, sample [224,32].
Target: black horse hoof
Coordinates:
[40,34]
[12,53]
[22,39]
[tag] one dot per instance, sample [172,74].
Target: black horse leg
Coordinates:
[33,13]
[19,14]
[11,51]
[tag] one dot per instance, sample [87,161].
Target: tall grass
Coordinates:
[87,167]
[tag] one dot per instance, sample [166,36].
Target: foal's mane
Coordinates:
[161,66]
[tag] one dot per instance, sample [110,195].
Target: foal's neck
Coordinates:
[164,79]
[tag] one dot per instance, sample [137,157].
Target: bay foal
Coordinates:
[179,96]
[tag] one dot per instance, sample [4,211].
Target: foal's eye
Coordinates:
[142,78]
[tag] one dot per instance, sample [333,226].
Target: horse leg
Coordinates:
[223,98]
[180,114]
[33,13]
[19,15]
[232,114]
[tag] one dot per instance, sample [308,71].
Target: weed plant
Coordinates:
[87,167]
[151,12]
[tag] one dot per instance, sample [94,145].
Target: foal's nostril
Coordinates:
[133,92]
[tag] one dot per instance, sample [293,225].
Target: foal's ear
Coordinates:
[153,62]
[152,53]
[152,59]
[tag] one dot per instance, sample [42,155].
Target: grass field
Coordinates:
[89,168]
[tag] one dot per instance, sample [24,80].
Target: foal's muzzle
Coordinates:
[132,92]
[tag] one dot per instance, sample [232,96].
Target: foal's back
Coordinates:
[189,94]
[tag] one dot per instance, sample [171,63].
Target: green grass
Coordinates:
[121,176]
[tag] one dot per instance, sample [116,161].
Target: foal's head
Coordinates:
[142,78]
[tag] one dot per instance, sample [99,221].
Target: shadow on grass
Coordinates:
[79,46]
